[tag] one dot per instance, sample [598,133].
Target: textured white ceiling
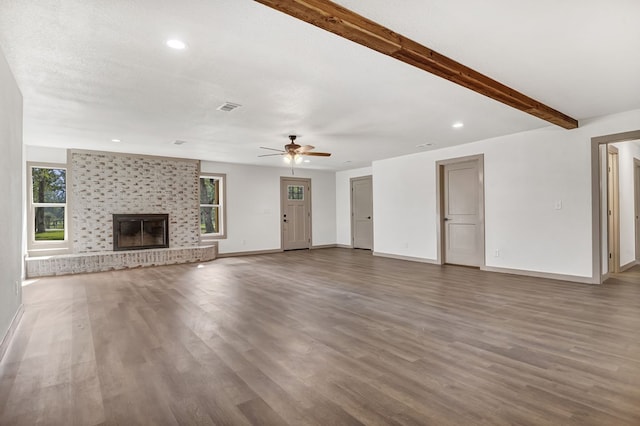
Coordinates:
[92,71]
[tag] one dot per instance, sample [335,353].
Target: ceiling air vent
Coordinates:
[228,106]
[178,142]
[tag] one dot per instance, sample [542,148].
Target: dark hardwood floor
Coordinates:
[323,337]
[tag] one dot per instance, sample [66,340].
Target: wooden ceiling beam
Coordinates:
[345,23]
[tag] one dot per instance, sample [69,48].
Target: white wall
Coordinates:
[343,203]
[42,154]
[627,151]
[11,197]
[253,205]
[526,174]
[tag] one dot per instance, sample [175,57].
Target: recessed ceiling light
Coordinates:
[176,44]
[307,161]
[116,140]
[457,125]
[178,142]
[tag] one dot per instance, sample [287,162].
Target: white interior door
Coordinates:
[295,195]
[462,216]
[362,212]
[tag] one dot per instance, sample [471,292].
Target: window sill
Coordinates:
[39,252]
[212,238]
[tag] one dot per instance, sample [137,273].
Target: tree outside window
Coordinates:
[49,198]
[211,206]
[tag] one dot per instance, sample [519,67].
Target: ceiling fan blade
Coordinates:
[270,155]
[305,148]
[271,149]
[317,154]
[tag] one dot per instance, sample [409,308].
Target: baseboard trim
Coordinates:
[547,275]
[349,246]
[8,337]
[629,265]
[249,253]
[258,252]
[323,246]
[408,258]
[535,274]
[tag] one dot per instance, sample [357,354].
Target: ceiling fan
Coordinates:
[293,152]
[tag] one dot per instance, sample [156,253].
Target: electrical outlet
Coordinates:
[497,253]
[17,287]
[558,205]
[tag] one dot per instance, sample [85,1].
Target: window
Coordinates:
[212,211]
[295,192]
[48,206]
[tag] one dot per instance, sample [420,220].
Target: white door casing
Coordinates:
[613,210]
[362,212]
[462,211]
[598,201]
[295,196]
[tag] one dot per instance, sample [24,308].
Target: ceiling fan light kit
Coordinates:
[294,153]
[296,158]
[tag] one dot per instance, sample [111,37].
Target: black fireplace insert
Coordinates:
[140,231]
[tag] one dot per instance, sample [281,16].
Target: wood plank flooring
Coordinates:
[323,337]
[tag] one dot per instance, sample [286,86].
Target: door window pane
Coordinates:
[295,192]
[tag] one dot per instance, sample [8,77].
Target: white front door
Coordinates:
[362,212]
[463,233]
[295,197]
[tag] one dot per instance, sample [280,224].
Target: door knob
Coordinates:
[446,219]
[368,217]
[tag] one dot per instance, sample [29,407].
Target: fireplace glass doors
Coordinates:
[140,231]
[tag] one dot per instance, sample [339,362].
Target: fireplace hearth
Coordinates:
[140,231]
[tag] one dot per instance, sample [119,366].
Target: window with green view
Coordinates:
[211,205]
[49,203]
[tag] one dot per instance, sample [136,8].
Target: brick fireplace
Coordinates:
[103,185]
